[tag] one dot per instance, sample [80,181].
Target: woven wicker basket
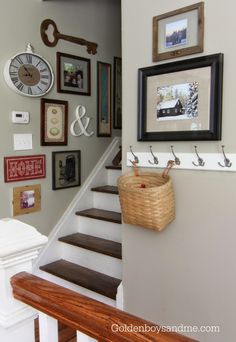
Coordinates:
[152,206]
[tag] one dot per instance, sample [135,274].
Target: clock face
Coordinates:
[29,74]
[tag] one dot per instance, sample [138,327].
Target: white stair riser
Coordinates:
[106,201]
[92,260]
[76,288]
[98,228]
[112,176]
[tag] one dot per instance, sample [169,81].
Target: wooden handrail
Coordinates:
[85,314]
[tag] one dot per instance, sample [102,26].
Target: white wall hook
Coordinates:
[199,159]
[155,159]
[227,162]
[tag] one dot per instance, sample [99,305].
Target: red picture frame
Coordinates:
[19,168]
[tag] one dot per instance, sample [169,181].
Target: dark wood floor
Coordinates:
[66,334]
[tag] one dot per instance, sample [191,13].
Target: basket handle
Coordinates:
[169,165]
[135,168]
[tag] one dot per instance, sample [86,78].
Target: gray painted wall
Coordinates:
[185,274]
[19,24]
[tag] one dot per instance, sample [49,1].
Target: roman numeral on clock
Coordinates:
[30,91]
[15,79]
[44,83]
[13,73]
[19,60]
[20,86]
[29,59]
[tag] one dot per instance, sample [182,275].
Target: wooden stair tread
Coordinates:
[93,243]
[82,276]
[113,167]
[101,214]
[108,189]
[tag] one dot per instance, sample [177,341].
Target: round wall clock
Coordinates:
[29,74]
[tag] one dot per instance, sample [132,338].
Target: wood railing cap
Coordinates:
[87,315]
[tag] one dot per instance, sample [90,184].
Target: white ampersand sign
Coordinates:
[79,114]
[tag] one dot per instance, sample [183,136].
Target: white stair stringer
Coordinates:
[70,223]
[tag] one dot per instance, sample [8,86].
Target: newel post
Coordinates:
[19,246]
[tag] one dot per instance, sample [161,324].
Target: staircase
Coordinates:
[88,258]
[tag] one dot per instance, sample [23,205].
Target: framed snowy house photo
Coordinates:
[181,100]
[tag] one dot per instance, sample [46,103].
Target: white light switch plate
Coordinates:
[22,142]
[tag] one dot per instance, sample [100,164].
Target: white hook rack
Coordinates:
[188,161]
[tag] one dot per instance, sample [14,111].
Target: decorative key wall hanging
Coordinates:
[91,47]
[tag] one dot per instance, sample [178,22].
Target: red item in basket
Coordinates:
[142,185]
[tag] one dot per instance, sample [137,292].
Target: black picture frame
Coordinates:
[117,93]
[192,120]
[103,99]
[66,169]
[73,74]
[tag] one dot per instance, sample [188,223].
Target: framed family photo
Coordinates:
[26,199]
[103,99]
[181,100]
[178,33]
[73,74]
[66,166]
[54,122]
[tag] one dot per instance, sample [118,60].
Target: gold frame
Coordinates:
[195,14]
[17,191]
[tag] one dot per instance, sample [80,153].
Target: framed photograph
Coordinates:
[178,33]
[19,168]
[103,99]
[117,94]
[65,169]
[181,100]
[54,122]
[73,74]
[26,199]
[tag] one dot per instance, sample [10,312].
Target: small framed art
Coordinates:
[178,33]
[65,169]
[19,168]
[181,100]
[54,122]
[117,94]
[73,74]
[26,199]
[103,99]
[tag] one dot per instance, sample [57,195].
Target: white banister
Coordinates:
[19,246]
[83,337]
[48,328]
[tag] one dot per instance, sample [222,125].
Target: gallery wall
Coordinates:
[186,273]
[20,25]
